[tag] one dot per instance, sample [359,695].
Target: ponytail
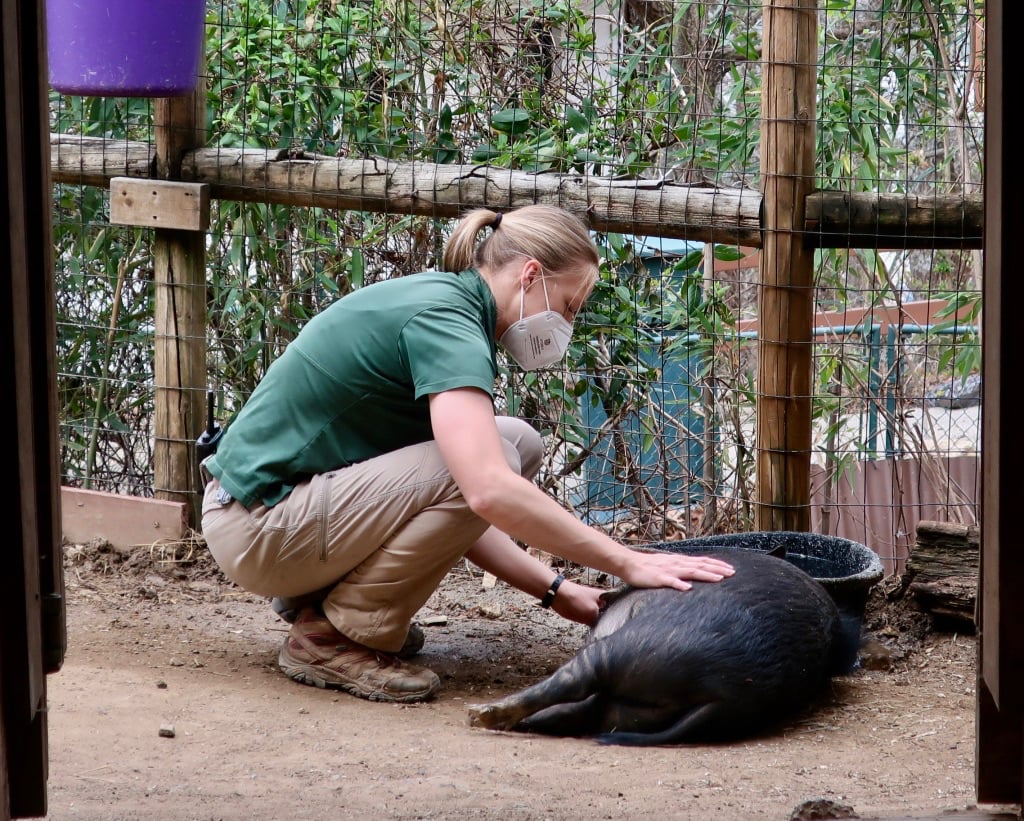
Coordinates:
[556,238]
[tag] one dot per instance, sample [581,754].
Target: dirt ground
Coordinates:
[170,705]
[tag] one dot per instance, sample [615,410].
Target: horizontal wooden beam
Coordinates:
[835,219]
[656,208]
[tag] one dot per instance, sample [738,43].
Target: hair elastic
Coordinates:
[496,222]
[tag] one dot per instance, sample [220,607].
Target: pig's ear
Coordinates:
[779,551]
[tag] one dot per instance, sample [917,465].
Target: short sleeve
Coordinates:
[446,349]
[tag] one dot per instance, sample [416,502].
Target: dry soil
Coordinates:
[169,706]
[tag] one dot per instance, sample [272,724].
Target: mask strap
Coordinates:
[544,285]
[522,295]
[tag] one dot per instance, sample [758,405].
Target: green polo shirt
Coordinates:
[355,382]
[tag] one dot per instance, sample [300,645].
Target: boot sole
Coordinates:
[317,676]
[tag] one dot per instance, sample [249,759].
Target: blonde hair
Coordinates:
[558,240]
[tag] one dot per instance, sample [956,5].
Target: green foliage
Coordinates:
[960,333]
[104,340]
[667,91]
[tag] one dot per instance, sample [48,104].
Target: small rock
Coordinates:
[821,808]
[161,684]
[166,731]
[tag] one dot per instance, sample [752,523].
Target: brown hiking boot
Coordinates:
[289,610]
[316,653]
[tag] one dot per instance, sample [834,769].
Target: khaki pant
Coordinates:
[377,536]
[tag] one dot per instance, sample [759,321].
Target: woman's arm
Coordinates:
[498,554]
[465,431]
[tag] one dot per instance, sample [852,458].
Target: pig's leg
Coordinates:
[573,682]
[703,723]
[579,718]
[598,715]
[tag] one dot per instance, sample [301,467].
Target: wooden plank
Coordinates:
[978,814]
[881,502]
[915,312]
[160,204]
[124,521]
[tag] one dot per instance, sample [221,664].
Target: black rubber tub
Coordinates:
[847,569]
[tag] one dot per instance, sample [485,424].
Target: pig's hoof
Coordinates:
[489,716]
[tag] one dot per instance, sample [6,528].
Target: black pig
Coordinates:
[721,661]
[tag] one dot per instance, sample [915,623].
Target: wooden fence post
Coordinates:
[785,344]
[179,365]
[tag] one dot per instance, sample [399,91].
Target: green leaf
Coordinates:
[485,153]
[511,121]
[357,268]
[576,121]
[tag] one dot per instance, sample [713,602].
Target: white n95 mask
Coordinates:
[538,340]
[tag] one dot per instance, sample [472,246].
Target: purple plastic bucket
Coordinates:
[124,48]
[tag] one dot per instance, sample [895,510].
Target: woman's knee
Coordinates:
[524,448]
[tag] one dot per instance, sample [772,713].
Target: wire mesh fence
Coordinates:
[651,421]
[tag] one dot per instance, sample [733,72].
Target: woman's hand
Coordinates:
[673,570]
[578,602]
[583,604]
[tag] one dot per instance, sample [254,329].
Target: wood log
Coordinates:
[836,219]
[656,208]
[943,570]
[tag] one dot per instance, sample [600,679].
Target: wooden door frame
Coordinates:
[999,736]
[33,638]
[31,588]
